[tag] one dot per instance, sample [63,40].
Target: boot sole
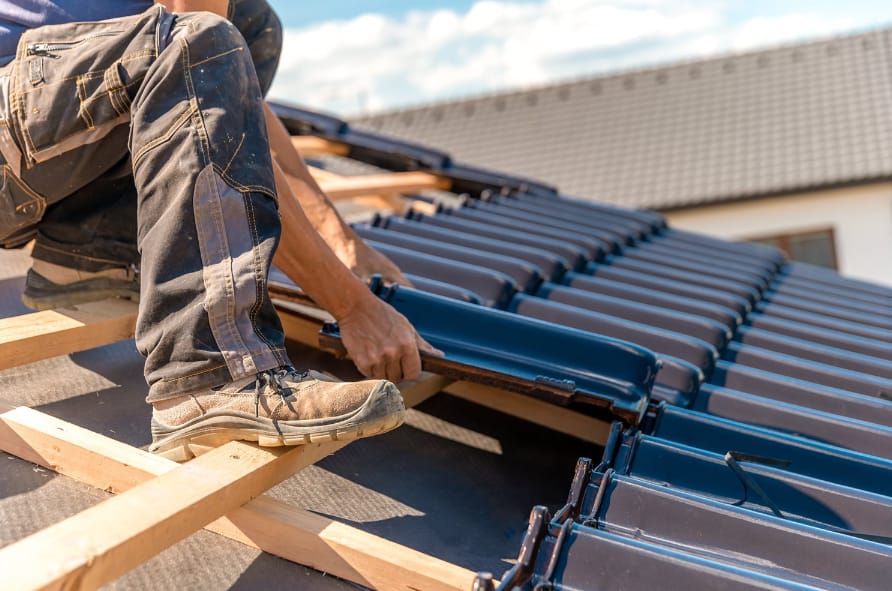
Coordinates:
[381,413]
[67,300]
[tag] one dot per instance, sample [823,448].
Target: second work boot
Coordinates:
[48,285]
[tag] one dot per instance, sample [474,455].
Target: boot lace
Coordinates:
[277,381]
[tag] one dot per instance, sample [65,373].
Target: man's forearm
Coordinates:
[380,341]
[316,205]
[347,246]
[308,260]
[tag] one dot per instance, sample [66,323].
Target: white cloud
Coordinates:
[759,32]
[374,62]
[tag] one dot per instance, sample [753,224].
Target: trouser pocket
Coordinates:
[20,210]
[72,84]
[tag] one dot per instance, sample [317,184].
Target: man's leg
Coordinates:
[207,222]
[207,208]
[85,248]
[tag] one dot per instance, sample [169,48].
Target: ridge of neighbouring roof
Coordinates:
[796,117]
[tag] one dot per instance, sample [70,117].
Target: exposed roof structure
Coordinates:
[731,411]
[759,426]
[794,118]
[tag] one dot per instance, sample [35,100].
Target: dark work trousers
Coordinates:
[174,100]
[94,228]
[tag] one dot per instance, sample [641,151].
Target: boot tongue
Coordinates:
[275,379]
[242,385]
[322,377]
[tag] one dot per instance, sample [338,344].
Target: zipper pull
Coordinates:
[40,49]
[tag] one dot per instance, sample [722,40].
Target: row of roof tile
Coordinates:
[754,395]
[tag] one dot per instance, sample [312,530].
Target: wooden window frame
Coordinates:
[783,242]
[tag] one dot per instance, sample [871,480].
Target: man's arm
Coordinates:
[380,341]
[350,248]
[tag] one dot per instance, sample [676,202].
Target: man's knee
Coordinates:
[211,37]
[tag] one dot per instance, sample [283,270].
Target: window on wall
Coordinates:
[816,247]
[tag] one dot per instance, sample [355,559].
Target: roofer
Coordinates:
[159,109]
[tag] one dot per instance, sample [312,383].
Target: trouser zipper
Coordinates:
[47,49]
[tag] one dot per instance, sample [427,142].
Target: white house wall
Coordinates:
[861,218]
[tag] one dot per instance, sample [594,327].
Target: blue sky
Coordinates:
[301,14]
[358,56]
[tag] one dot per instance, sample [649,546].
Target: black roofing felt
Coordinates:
[759,455]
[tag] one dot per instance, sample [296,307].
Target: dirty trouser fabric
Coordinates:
[95,227]
[180,92]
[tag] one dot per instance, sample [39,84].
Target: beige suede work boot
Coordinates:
[48,285]
[278,407]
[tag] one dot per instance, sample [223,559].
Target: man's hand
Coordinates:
[382,343]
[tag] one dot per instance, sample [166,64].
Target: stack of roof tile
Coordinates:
[754,394]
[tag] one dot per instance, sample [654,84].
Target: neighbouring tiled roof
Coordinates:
[788,119]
